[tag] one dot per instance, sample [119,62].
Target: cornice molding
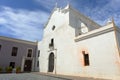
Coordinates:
[94,33]
[117,29]
[18,40]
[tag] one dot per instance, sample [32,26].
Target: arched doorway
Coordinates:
[51,62]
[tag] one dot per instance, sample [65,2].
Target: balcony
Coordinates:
[51,46]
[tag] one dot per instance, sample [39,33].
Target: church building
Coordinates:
[73,44]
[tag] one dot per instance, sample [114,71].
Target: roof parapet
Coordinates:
[110,21]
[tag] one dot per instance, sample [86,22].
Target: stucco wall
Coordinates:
[103,55]
[6,51]
[102,48]
[58,18]
[118,38]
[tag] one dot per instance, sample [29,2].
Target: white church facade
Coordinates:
[75,45]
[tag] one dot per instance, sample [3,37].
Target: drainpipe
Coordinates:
[55,60]
[36,50]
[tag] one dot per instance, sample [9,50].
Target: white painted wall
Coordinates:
[118,38]
[102,53]
[59,19]
[102,49]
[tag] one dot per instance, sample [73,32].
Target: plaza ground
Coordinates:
[40,76]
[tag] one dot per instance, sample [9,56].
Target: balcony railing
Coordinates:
[51,46]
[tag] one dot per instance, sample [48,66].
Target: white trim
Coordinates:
[32,69]
[55,61]
[18,40]
[94,33]
[23,63]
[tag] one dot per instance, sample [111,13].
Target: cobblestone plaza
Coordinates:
[27,76]
[40,76]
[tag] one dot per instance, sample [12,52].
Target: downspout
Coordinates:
[55,61]
[36,49]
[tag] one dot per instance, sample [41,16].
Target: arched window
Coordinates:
[84,28]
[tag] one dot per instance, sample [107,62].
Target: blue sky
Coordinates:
[24,19]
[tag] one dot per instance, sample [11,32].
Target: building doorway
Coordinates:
[51,62]
[28,65]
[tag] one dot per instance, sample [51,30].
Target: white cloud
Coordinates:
[101,14]
[47,3]
[101,11]
[50,4]
[22,24]
[28,25]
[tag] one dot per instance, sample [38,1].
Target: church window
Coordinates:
[84,28]
[86,58]
[52,41]
[51,45]
[53,27]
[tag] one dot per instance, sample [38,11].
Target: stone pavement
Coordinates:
[40,76]
[27,76]
[69,77]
